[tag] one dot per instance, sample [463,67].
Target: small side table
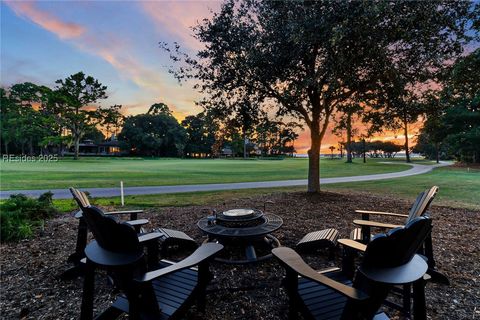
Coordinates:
[99,257]
[411,272]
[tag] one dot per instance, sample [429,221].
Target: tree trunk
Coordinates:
[314,160]
[349,138]
[437,152]
[244,144]
[77,147]
[60,145]
[364,151]
[30,147]
[407,152]
[5,143]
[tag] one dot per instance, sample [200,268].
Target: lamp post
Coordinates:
[332,148]
[364,151]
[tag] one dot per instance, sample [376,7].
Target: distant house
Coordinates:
[89,147]
[109,147]
[227,152]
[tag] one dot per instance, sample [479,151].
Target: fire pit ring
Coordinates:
[244,228]
[239,215]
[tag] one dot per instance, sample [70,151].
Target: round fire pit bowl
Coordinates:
[239,215]
[243,229]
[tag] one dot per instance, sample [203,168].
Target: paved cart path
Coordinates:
[115,192]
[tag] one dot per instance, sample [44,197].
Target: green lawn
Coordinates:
[108,172]
[459,187]
[174,199]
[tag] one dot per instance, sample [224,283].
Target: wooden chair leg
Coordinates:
[348,262]
[428,249]
[407,298]
[366,234]
[291,285]
[82,235]
[437,276]
[86,312]
[292,312]
[204,278]
[419,305]
[152,255]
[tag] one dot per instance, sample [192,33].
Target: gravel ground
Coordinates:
[30,269]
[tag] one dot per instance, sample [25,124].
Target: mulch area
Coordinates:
[30,269]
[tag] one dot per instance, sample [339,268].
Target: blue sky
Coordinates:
[114,41]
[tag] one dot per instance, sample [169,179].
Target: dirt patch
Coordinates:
[31,289]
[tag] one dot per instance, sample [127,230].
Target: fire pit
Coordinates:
[248,229]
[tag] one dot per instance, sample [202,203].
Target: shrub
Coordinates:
[21,215]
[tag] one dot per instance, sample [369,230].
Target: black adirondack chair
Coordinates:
[363,234]
[82,232]
[163,293]
[419,208]
[332,295]
[168,238]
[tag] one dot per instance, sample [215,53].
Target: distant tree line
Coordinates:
[38,120]
[374,149]
[158,133]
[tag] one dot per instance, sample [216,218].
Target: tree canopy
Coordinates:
[157,134]
[453,122]
[74,96]
[200,134]
[306,59]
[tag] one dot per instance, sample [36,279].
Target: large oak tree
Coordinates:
[309,58]
[75,96]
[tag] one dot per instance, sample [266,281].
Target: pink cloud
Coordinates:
[177,18]
[63,30]
[153,85]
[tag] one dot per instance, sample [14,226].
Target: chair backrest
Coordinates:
[80,197]
[422,203]
[399,245]
[389,250]
[110,234]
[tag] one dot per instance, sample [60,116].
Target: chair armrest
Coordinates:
[149,237]
[139,222]
[380,213]
[292,260]
[124,212]
[374,224]
[203,253]
[353,244]
[78,214]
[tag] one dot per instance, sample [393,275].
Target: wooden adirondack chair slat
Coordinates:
[317,298]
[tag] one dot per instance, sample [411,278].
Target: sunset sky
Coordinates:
[115,42]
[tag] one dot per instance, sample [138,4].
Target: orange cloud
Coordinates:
[63,30]
[177,18]
[153,83]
